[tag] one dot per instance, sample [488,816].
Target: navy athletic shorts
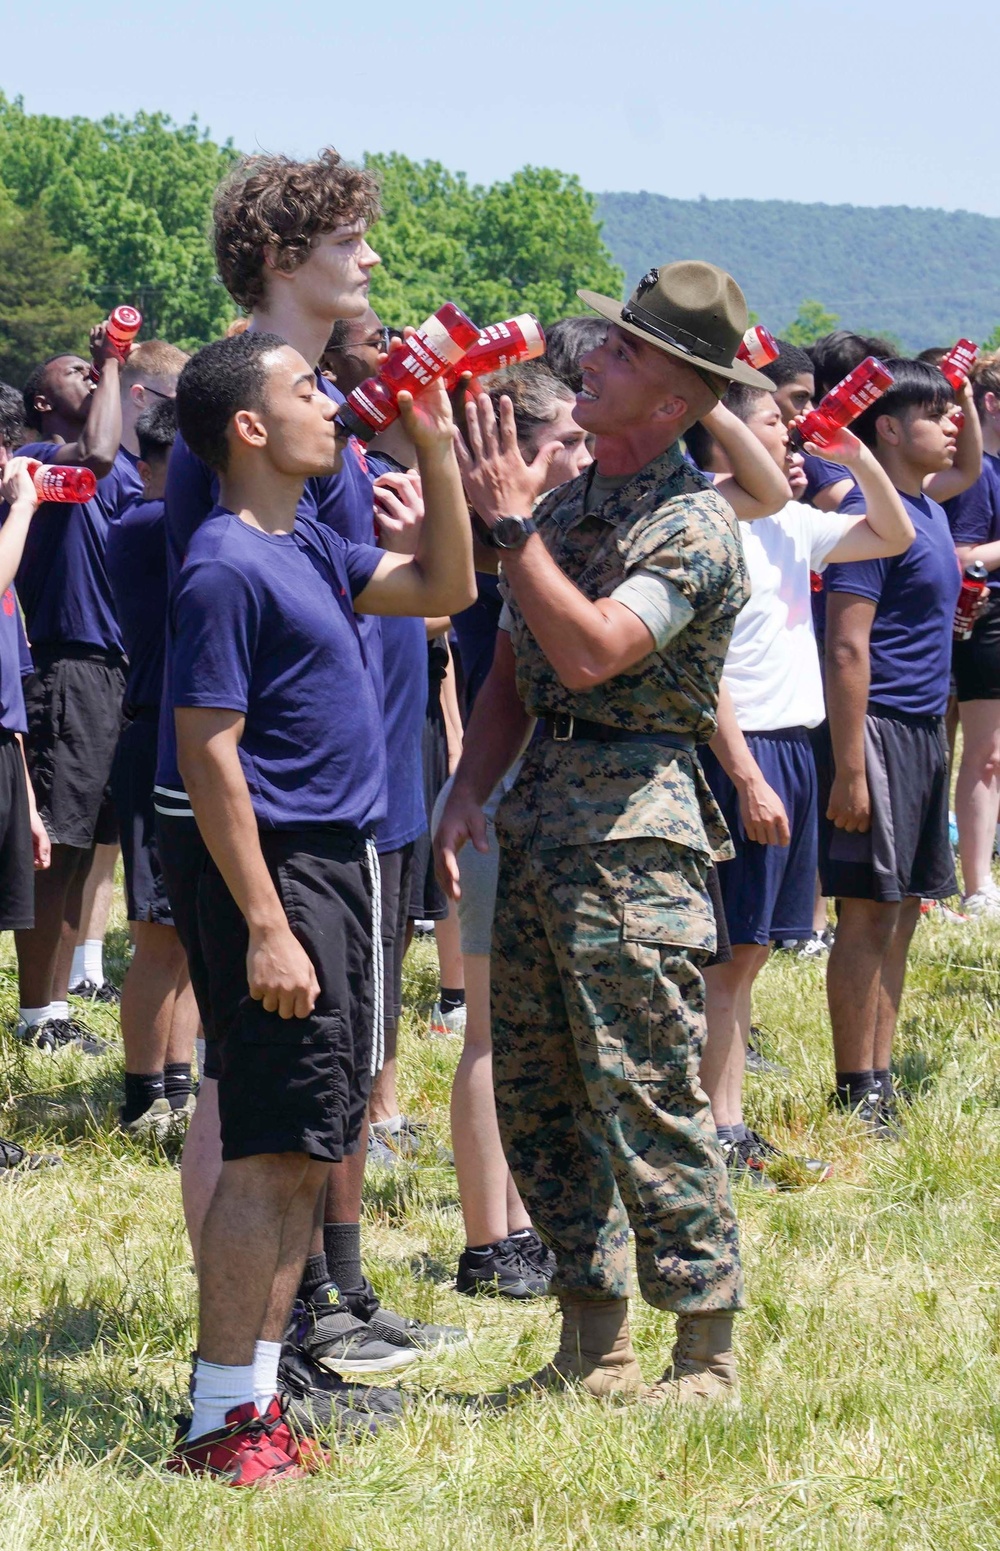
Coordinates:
[767,891]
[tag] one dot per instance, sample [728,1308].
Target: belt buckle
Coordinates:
[562,727]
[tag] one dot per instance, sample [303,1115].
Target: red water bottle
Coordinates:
[499,345]
[439,343]
[974,589]
[844,403]
[62,481]
[120,331]
[759,347]
[957,363]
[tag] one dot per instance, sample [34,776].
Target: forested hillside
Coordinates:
[925,276]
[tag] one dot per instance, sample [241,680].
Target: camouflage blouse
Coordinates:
[668,521]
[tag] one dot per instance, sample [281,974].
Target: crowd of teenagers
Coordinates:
[669,687]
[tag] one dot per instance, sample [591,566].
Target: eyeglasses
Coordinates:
[156,392]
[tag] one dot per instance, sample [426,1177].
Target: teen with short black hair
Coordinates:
[884,789]
[279,741]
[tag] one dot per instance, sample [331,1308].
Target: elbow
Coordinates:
[581,676]
[99,463]
[451,599]
[900,545]
[844,656]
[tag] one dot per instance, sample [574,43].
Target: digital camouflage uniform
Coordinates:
[603,920]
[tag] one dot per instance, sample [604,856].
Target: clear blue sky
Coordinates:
[880,102]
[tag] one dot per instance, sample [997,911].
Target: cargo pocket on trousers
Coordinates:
[656,981]
[288,1071]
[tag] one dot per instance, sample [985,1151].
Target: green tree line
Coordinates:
[93,213]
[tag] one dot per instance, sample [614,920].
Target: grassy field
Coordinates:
[870,1411]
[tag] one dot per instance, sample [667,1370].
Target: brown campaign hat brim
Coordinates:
[738,372]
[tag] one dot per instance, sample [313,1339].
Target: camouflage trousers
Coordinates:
[598,1027]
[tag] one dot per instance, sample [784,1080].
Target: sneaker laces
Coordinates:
[761,1146]
[66,1031]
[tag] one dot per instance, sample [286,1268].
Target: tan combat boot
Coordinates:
[703,1363]
[595,1351]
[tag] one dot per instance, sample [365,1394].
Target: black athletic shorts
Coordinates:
[183,859]
[976,662]
[906,852]
[132,777]
[295,1084]
[17,863]
[396,869]
[74,704]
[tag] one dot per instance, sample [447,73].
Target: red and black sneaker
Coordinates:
[302,1449]
[243,1453]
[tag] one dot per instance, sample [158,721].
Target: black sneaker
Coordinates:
[872,1114]
[58,1033]
[87,991]
[530,1247]
[325,1330]
[503,1273]
[17,1160]
[744,1165]
[758,1065]
[316,1398]
[412,1335]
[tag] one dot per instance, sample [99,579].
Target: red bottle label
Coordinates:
[957,364]
[967,611]
[844,403]
[759,347]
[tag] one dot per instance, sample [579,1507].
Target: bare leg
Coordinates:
[977,790]
[491,1205]
[149,996]
[185,1023]
[727,1012]
[58,896]
[893,977]
[201,1163]
[854,979]
[98,894]
[254,1240]
[821,919]
[449,949]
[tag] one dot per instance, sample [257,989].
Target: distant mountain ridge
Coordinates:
[926,276]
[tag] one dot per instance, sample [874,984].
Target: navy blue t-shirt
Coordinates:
[476,633]
[404,680]
[820,473]
[263,624]
[974,516]
[342,502]
[916,594]
[12,713]
[137,565]
[62,580]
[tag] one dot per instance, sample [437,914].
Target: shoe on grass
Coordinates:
[387,1144]
[758,1065]
[17,1160]
[530,1247]
[412,1335]
[501,1273]
[89,991]
[448,1025]
[54,1034]
[325,1400]
[872,1114]
[759,1148]
[159,1121]
[328,1333]
[242,1453]
[702,1365]
[983,902]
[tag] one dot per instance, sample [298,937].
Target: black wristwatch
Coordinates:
[511,532]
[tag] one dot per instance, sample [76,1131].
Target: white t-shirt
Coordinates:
[772,666]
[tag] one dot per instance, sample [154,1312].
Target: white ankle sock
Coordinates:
[77,973]
[391,1127]
[93,960]
[59,1009]
[33,1015]
[217,1389]
[266,1356]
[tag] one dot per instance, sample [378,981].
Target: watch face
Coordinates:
[509,532]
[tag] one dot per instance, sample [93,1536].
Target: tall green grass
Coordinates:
[870,1349]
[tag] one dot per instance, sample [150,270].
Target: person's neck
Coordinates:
[56,428]
[991,439]
[129,439]
[261,497]
[629,451]
[907,478]
[281,314]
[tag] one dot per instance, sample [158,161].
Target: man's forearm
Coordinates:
[97,445]
[729,745]
[848,677]
[756,487]
[886,515]
[216,785]
[444,548]
[495,734]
